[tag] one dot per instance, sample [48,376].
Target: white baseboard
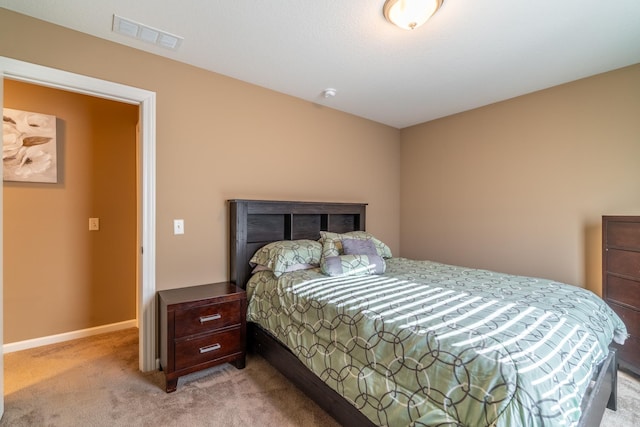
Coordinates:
[67,336]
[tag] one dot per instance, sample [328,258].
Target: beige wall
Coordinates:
[58,275]
[520,186]
[220,138]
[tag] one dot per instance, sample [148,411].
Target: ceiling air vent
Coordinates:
[145,33]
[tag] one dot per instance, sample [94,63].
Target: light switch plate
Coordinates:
[94,224]
[178,226]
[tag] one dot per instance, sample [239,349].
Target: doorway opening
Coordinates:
[44,76]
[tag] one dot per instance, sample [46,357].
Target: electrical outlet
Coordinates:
[178,226]
[94,224]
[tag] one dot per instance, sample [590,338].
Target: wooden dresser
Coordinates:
[200,327]
[621,281]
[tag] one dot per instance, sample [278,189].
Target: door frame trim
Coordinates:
[146,100]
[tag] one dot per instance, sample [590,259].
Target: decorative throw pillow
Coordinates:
[352,265]
[331,246]
[284,255]
[359,247]
[332,243]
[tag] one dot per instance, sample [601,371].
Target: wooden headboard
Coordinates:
[254,223]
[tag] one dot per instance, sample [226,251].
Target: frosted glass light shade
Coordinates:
[410,14]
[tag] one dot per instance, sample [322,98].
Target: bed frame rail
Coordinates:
[603,393]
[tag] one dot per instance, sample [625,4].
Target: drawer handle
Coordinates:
[209,318]
[209,348]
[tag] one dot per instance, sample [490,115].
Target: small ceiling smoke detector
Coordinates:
[145,33]
[329,93]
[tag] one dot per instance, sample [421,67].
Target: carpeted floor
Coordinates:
[95,382]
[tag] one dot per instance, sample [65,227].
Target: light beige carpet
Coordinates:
[95,382]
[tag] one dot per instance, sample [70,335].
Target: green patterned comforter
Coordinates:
[439,345]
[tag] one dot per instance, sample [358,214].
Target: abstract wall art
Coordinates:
[29,146]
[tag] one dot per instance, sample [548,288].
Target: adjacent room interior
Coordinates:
[83,279]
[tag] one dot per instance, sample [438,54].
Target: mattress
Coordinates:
[440,345]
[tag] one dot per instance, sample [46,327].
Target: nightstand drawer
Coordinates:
[194,351]
[207,318]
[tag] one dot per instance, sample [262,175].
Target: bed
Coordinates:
[411,362]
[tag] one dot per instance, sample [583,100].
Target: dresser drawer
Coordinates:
[623,291]
[623,262]
[194,351]
[625,234]
[207,318]
[631,319]
[629,354]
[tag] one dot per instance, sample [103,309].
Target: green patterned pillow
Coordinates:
[332,243]
[280,256]
[352,265]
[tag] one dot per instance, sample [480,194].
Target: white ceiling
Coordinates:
[471,53]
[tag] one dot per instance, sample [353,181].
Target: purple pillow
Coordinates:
[359,247]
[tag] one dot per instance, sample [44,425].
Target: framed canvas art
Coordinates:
[29,146]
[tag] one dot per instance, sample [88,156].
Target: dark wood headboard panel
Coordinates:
[254,223]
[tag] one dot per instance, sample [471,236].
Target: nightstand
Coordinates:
[200,327]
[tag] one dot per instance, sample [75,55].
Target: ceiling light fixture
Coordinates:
[410,14]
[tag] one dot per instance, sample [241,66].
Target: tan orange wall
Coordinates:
[220,138]
[58,275]
[520,186]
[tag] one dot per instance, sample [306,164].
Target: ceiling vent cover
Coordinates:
[145,33]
